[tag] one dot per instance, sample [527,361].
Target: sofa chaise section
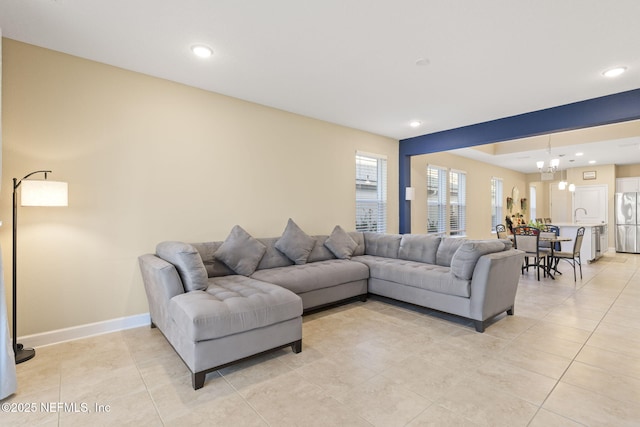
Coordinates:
[232,318]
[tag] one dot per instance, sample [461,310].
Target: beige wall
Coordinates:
[628,171]
[479,176]
[150,160]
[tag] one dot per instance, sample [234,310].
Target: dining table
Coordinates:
[551,240]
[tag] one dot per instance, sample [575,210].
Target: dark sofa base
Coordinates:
[197,378]
[361,297]
[325,297]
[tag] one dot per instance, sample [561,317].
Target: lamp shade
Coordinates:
[44,193]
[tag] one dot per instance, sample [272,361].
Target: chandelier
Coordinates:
[553,164]
[548,170]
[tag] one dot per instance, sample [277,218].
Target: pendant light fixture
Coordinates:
[562,185]
[547,172]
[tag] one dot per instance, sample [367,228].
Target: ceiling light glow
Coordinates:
[579,154]
[201,51]
[614,72]
[415,123]
[591,162]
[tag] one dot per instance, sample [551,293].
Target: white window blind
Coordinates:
[457,203]
[436,199]
[496,202]
[371,193]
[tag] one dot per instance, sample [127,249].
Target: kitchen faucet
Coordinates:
[575,214]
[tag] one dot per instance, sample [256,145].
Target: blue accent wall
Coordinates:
[605,110]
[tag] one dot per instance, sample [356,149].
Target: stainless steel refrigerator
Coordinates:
[628,222]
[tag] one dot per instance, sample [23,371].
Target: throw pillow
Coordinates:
[241,252]
[340,243]
[187,261]
[466,257]
[295,243]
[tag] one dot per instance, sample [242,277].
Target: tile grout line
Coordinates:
[573,360]
[244,399]
[146,386]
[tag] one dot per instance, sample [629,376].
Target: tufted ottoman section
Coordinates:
[231,305]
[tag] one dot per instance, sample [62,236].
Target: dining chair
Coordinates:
[547,220]
[539,221]
[501,231]
[556,246]
[546,247]
[527,239]
[572,257]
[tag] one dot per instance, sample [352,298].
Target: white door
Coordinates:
[593,199]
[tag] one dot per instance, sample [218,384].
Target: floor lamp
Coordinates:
[34,193]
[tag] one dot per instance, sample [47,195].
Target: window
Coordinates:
[436,199]
[532,202]
[496,202]
[446,201]
[371,193]
[457,203]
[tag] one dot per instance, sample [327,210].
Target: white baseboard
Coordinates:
[84,331]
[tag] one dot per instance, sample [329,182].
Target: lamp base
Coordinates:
[24,354]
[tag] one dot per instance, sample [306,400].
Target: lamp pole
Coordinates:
[21,354]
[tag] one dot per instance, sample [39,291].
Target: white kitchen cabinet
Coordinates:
[592,243]
[628,185]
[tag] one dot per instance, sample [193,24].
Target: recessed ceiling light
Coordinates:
[591,162]
[201,51]
[579,154]
[415,123]
[422,62]
[614,72]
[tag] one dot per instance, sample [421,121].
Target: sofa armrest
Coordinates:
[494,283]
[161,283]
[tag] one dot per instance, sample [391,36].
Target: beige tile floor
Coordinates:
[569,357]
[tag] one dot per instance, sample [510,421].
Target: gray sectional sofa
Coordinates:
[220,302]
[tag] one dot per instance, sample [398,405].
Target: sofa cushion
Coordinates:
[316,275]
[384,245]
[187,261]
[231,305]
[466,257]
[272,257]
[240,251]
[430,277]
[419,247]
[214,266]
[320,252]
[295,243]
[340,243]
[358,237]
[448,246]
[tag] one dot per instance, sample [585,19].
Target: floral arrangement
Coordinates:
[539,225]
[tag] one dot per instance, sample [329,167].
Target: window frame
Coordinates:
[437,199]
[374,218]
[497,196]
[459,202]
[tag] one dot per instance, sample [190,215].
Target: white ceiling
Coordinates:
[354,62]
